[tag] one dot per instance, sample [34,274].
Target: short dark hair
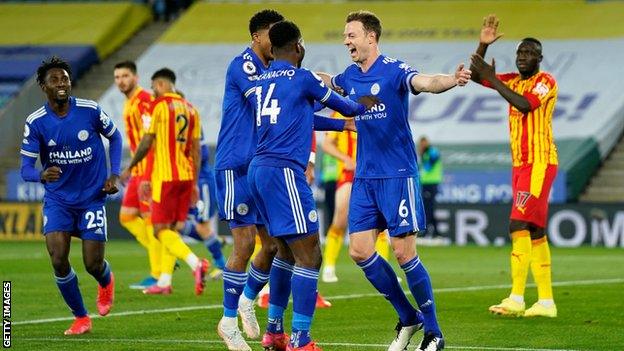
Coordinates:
[284,33]
[52,62]
[369,20]
[263,20]
[127,64]
[534,41]
[165,73]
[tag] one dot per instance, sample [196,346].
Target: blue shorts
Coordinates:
[234,199]
[206,207]
[86,223]
[386,203]
[284,200]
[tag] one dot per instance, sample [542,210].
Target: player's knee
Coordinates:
[403,256]
[61,266]
[359,254]
[94,268]
[269,249]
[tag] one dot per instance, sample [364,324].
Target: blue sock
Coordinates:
[279,283]
[70,291]
[383,278]
[420,286]
[214,246]
[104,279]
[233,284]
[256,280]
[304,290]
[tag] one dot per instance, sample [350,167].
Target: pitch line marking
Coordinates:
[220,342]
[337,297]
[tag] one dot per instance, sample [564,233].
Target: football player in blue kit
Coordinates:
[386,191]
[285,95]
[65,134]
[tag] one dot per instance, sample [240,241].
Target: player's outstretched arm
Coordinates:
[488,72]
[439,83]
[488,36]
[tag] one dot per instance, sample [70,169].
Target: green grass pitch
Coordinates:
[589,295]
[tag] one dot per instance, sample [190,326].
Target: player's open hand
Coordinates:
[125,176]
[145,191]
[309,173]
[488,31]
[110,185]
[350,125]
[482,68]
[368,101]
[462,75]
[51,174]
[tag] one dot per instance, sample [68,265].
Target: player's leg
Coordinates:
[93,232]
[257,278]
[520,232]
[335,233]
[382,245]
[58,244]
[540,251]
[233,197]
[174,208]
[401,204]
[364,221]
[280,279]
[307,254]
[129,213]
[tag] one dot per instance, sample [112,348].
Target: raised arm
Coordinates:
[488,36]
[439,83]
[488,73]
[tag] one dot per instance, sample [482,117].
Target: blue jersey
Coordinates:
[385,147]
[285,97]
[237,139]
[72,143]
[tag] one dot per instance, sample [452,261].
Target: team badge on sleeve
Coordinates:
[249,67]
[104,119]
[26,130]
[541,89]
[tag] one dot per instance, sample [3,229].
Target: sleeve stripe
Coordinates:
[333,81]
[112,131]
[250,91]
[327,95]
[29,154]
[408,80]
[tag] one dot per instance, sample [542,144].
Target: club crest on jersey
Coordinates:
[26,130]
[242,209]
[313,216]
[375,89]
[541,89]
[249,67]
[83,135]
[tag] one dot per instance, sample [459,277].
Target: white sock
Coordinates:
[164,280]
[229,322]
[192,261]
[517,298]
[244,300]
[546,302]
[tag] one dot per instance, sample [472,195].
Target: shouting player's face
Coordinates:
[57,86]
[528,58]
[125,80]
[359,43]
